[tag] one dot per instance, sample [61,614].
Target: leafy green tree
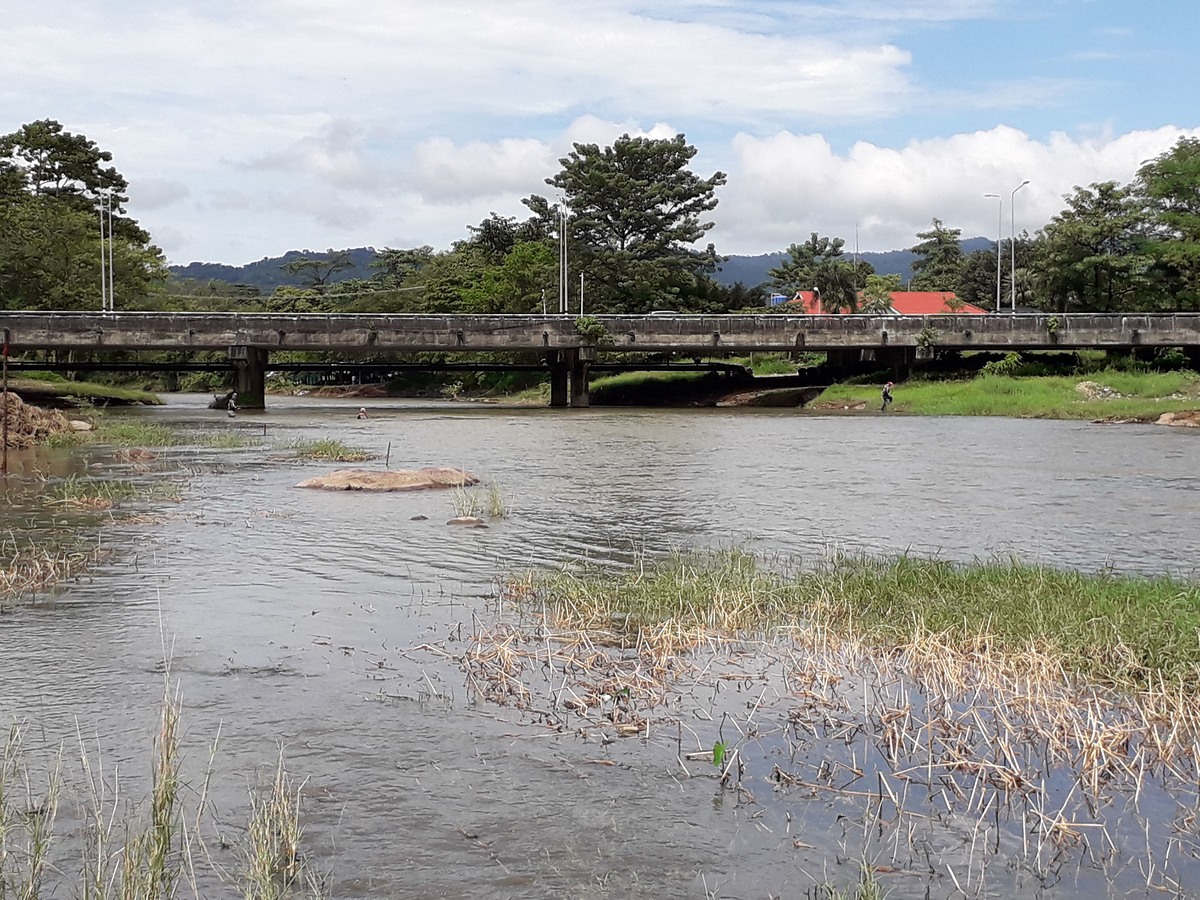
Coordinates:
[635,210]
[939,261]
[1089,256]
[498,235]
[288,299]
[318,270]
[1169,185]
[820,263]
[46,160]
[877,295]
[977,283]
[518,284]
[51,183]
[395,267]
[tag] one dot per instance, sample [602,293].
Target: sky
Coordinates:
[247,128]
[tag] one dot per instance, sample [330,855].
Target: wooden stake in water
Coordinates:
[7,404]
[388,458]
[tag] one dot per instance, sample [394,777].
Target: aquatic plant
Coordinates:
[144,850]
[28,569]
[330,450]
[496,507]
[466,502]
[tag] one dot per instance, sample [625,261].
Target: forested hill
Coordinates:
[269,273]
[753,270]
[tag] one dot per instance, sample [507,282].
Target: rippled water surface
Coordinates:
[291,616]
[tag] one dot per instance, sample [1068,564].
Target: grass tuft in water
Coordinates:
[330,450]
[466,502]
[273,866]
[82,492]
[144,850]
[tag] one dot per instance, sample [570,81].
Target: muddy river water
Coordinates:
[294,619]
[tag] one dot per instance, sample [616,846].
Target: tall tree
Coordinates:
[1169,185]
[635,208]
[1089,256]
[51,183]
[318,270]
[820,263]
[939,261]
[977,283]
[877,295]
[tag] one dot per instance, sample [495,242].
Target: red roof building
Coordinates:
[904,303]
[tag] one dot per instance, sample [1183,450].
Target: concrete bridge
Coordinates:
[570,346]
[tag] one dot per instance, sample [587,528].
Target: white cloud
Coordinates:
[783,187]
[253,126]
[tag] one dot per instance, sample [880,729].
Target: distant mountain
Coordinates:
[752,271]
[268,273]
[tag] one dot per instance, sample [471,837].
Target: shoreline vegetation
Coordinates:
[1034,715]
[1106,395]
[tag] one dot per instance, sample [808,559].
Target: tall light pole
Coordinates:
[1012,241]
[103,198]
[562,261]
[999,235]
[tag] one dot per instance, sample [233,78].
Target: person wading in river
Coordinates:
[887,397]
[231,406]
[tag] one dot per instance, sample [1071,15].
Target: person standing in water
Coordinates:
[231,406]
[362,412]
[887,397]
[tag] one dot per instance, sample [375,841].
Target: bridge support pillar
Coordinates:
[899,359]
[249,376]
[558,378]
[580,360]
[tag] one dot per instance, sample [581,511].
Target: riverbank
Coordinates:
[1107,395]
[57,392]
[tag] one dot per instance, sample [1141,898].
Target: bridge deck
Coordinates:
[367,333]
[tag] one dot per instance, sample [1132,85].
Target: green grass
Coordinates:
[100,493]
[150,847]
[43,384]
[330,450]
[1143,396]
[120,433]
[1118,630]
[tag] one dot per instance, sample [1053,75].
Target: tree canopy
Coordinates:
[635,209]
[51,184]
[939,262]
[820,264]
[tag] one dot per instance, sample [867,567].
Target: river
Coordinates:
[289,616]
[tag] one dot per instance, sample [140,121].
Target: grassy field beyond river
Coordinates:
[1108,394]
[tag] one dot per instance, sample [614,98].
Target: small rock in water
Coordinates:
[417,518]
[469,521]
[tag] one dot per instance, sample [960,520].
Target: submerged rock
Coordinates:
[1187,419]
[393,480]
[468,521]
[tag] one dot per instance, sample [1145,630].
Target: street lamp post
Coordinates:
[1012,240]
[999,235]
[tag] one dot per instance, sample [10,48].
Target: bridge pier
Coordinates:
[580,360]
[249,376]
[558,378]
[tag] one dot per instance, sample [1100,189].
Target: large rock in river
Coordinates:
[394,480]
